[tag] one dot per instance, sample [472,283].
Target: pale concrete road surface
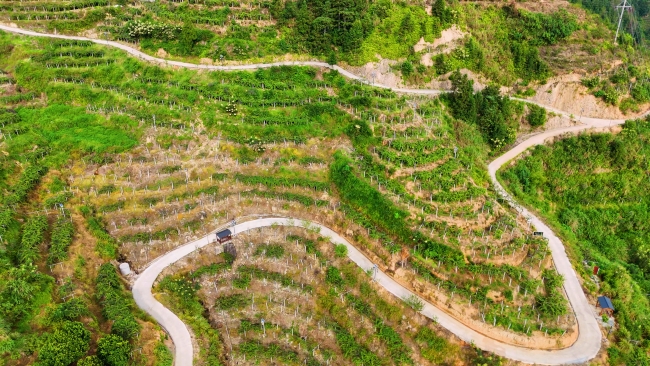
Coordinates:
[585,348]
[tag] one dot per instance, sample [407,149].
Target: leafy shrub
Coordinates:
[116,304]
[69,310]
[90,361]
[270,251]
[66,345]
[22,286]
[333,276]
[114,350]
[609,94]
[340,250]
[228,302]
[241,282]
[169,169]
[536,115]
[414,302]
[61,238]
[406,68]
[590,82]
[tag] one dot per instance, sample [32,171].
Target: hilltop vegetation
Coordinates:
[594,189]
[506,44]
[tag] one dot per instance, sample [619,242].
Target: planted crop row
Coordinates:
[116,304]
[412,159]
[260,274]
[272,182]
[62,234]
[399,352]
[229,3]
[287,196]
[458,196]
[33,236]
[70,52]
[88,62]
[272,350]
[42,16]
[135,91]
[402,144]
[218,17]
[61,43]
[143,237]
[6,80]
[55,7]
[106,244]
[27,181]
[17,98]
[359,354]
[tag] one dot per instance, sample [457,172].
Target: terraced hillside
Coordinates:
[291,297]
[142,158]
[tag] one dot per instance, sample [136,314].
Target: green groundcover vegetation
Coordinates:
[595,189]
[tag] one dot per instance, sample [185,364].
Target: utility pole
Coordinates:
[620,18]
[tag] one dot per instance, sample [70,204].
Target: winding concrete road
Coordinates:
[589,339]
[582,350]
[143,56]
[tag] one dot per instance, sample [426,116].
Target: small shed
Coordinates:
[605,305]
[224,236]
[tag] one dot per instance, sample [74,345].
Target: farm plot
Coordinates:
[290,296]
[289,141]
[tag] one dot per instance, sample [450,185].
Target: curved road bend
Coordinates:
[585,348]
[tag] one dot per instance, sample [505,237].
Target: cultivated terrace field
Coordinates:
[106,159]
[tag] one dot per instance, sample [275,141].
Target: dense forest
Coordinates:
[595,189]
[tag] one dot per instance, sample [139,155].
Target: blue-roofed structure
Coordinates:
[605,305]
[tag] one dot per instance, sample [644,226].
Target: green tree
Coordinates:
[462,101]
[90,361]
[113,350]
[439,10]
[407,68]
[331,58]
[406,25]
[493,119]
[65,346]
[536,115]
